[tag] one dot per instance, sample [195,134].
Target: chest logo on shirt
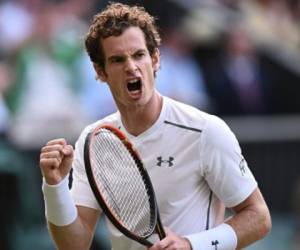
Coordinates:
[215,244]
[165,162]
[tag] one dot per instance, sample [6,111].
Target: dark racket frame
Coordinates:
[155,221]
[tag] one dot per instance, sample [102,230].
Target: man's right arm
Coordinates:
[77,235]
[71,227]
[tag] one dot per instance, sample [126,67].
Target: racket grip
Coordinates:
[161,233]
[160,229]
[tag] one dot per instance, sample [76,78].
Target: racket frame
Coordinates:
[155,217]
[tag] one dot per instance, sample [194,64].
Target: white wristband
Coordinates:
[60,208]
[222,237]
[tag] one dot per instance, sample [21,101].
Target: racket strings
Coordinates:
[120,183]
[131,190]
[122,194]
[131,204]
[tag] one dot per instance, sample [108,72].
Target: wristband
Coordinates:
[60,208]
[222,237]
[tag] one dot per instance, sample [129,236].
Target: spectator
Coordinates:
[5,82]
[47,80]
[180,76]
[237,81]
[93,94]
[16,24]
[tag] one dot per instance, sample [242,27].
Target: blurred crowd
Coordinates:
[227,57]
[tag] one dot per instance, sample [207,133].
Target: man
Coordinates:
[193,158]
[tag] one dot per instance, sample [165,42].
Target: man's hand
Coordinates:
[172,242]
[56,160]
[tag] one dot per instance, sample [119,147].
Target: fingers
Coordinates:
[54,152]
[56,160]
[60,141]
[163,244]
[171,242]
[57,145]
[67,150]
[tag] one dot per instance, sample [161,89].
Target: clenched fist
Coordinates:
[56,160]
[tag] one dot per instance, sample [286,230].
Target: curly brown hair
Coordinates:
[113,21]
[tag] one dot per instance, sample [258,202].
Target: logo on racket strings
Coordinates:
[165,162]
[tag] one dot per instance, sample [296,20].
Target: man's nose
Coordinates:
[130,66]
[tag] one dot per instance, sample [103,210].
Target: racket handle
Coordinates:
[160,229]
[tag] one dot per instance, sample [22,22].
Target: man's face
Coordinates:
[129,68]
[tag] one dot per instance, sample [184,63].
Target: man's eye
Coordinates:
[139,55]
[116,60]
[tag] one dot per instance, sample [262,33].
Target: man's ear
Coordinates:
[156,60]
[100,72]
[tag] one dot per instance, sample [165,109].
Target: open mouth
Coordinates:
[134,85]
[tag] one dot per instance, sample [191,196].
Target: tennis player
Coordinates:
[193,158]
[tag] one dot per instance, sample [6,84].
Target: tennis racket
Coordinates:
[121,184]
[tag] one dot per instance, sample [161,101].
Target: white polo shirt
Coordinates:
[195,164]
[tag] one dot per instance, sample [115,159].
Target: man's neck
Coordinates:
[139,119]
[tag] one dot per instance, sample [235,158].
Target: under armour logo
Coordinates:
[160,161]
[242,167]
[215,243]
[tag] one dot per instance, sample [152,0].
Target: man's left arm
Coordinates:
[251,221]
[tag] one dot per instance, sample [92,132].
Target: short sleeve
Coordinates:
[225,169]
[81,190]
